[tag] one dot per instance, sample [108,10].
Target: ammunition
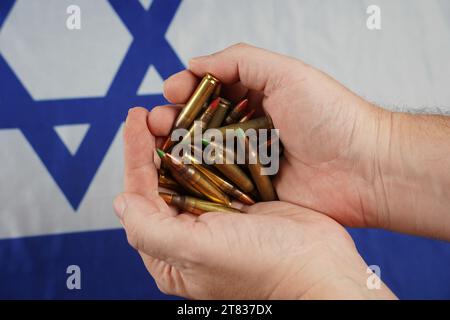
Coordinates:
[247,116]
[221,183]
[237,112]
[166,182]
[196,179]
[256,123]
[224,185]
[194,205]
[225,153]
[268,144]
[192,108]
[202,187]
[163,180]
[231,170]
[263,182]
[220,114]
[203,121]
[186,184]
[190,111]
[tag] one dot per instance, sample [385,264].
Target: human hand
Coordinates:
[329,134]
[276,250]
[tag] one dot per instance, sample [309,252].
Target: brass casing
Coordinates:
[192,108]
[224,185]
[256,123]
[194,205]
[221,113]
[263,182]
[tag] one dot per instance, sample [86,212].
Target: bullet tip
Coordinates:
[240,132]
[241,105]
[205,142]
[167,197]
[215,103]
[160,153]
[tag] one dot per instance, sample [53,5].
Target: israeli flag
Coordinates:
[70,69]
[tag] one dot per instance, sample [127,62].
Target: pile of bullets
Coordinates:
[196,187]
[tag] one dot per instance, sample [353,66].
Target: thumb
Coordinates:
[150,229]
[255,68]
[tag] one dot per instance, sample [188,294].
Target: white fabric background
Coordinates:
[404,66]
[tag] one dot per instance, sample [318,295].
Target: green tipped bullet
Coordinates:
[160,153]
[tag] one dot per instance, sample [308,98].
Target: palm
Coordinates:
[318,170]
[240,244]
[279,249]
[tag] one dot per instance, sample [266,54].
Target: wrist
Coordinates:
[350,279]
[344,287]
[370,148]
[332,273]
[412,184]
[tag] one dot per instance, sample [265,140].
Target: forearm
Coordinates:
[413,184]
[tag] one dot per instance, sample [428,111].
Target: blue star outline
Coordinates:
[37,119]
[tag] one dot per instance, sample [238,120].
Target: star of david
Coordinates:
[37,119]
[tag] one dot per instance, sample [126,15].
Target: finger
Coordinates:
[139,145]
[179,87]
[256,68]
[161,118]
[151,229]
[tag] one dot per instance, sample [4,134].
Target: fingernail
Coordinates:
[119,205]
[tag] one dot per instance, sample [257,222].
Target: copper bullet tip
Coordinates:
[167,197]
[241,105]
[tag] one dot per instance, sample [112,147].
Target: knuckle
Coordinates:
[240,45]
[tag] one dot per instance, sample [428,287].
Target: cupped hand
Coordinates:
[330,135]
[276,250]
